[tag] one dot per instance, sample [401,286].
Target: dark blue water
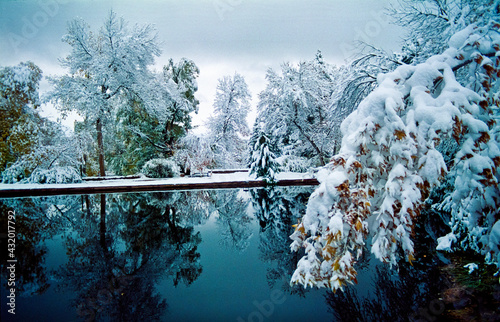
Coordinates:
[182,256]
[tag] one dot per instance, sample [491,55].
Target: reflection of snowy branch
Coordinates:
[233,220]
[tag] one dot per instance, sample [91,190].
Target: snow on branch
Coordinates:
[389,162]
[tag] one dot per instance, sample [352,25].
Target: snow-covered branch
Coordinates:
[389,162]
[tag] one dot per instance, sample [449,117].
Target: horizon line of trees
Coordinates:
[132,115]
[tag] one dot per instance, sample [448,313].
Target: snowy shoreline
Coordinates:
[216,181]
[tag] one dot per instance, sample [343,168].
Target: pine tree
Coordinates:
[264,163]
[256,131]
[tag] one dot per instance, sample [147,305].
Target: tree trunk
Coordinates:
[87,205]
[102,227]
[84,166]
[100,148]
[315,147]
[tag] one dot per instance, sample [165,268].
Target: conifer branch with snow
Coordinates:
[264,163]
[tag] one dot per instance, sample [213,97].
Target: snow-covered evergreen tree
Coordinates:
[141,135]
[264,163]
[228,126]
[389,162]
[254,137]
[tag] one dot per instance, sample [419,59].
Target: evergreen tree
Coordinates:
[180,79]
[264,163]
[140,135]
[256,131]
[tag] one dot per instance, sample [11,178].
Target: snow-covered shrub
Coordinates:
[55,175]
[17,174]
[389,162]
[160,168]
[292,163]
[194,154]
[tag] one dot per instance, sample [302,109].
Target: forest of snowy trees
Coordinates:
[390,134]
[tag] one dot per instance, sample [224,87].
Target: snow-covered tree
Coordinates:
[431,23]
[389,162]
[140,135]
[264,164]
[357,80]
[18,101]
[54,158]
[233,221]
[228,126]
[104,68]
[254,137]
[32,148]
[194,153]
[294,108]
[181,81]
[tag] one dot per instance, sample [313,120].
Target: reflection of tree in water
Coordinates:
[233,220]
[398,295]
[36,219]
[116,258]
[277,210]
[180,211]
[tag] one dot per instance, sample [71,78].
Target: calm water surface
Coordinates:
[220,255]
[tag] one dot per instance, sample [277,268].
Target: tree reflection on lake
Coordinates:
[194,255]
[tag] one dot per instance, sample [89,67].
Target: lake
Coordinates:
[204,255]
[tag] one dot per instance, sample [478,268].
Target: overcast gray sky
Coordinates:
[221,36]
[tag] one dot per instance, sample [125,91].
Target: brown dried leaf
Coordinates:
[359,225]
[343,186]
[356,164]
[410,259]
[484,138]
[457,129]
[399,134]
